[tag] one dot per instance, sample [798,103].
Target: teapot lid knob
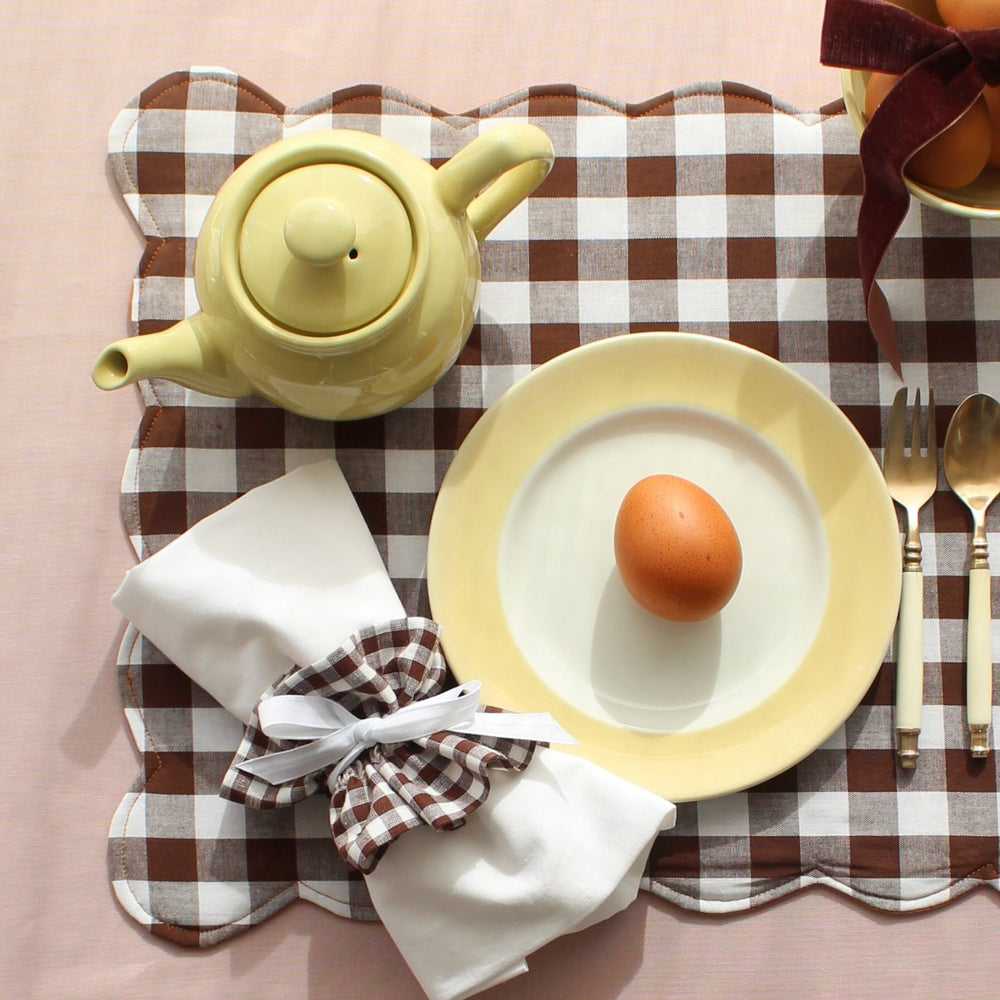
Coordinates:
[319,231]
[325,248]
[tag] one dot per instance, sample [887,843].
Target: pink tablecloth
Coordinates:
[69,251]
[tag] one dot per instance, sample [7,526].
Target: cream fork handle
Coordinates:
[910,666]
[910,658]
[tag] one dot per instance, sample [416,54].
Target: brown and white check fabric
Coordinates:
[437,780]
[713,209]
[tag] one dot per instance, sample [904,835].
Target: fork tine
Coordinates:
[915,430]
[896,432]
[931,426]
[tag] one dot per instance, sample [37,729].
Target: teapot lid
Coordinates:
[325,248]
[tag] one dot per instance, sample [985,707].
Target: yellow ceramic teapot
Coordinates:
[337,273]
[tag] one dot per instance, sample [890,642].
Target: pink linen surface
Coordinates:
[68,254]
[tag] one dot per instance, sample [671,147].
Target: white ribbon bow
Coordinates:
[336,736]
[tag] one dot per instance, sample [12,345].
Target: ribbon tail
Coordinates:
[537,727]
[289,765]
[882,326]
[922,104]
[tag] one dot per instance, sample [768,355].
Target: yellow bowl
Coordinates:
[978,200]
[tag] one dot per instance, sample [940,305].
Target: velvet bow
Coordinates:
[391,787]
[942,72]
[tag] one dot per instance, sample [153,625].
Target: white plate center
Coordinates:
[591,643]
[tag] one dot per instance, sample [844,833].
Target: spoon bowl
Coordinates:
[972,468]
[972,453]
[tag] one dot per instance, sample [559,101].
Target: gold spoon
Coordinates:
[972,467]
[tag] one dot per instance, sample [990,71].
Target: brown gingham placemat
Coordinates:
[712,209]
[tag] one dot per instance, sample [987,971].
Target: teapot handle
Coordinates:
[515,156]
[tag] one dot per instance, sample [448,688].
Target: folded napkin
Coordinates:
[279,577]
[289,573]
[554,849]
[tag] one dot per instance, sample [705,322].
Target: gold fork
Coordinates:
[911,477]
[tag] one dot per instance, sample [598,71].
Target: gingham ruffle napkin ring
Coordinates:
[372,725]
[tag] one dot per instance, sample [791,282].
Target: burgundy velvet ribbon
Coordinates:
[942,72]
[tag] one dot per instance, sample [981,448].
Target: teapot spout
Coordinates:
[178,353]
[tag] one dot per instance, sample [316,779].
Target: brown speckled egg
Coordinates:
[973,15]
[992,97]
[953,158]
[677,552]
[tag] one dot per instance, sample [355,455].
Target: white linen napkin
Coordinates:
[554,849]
[283,576]
[279,577]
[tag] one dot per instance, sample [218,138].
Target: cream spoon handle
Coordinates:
[979,660]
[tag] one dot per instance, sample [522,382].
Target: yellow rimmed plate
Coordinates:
[522,580]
